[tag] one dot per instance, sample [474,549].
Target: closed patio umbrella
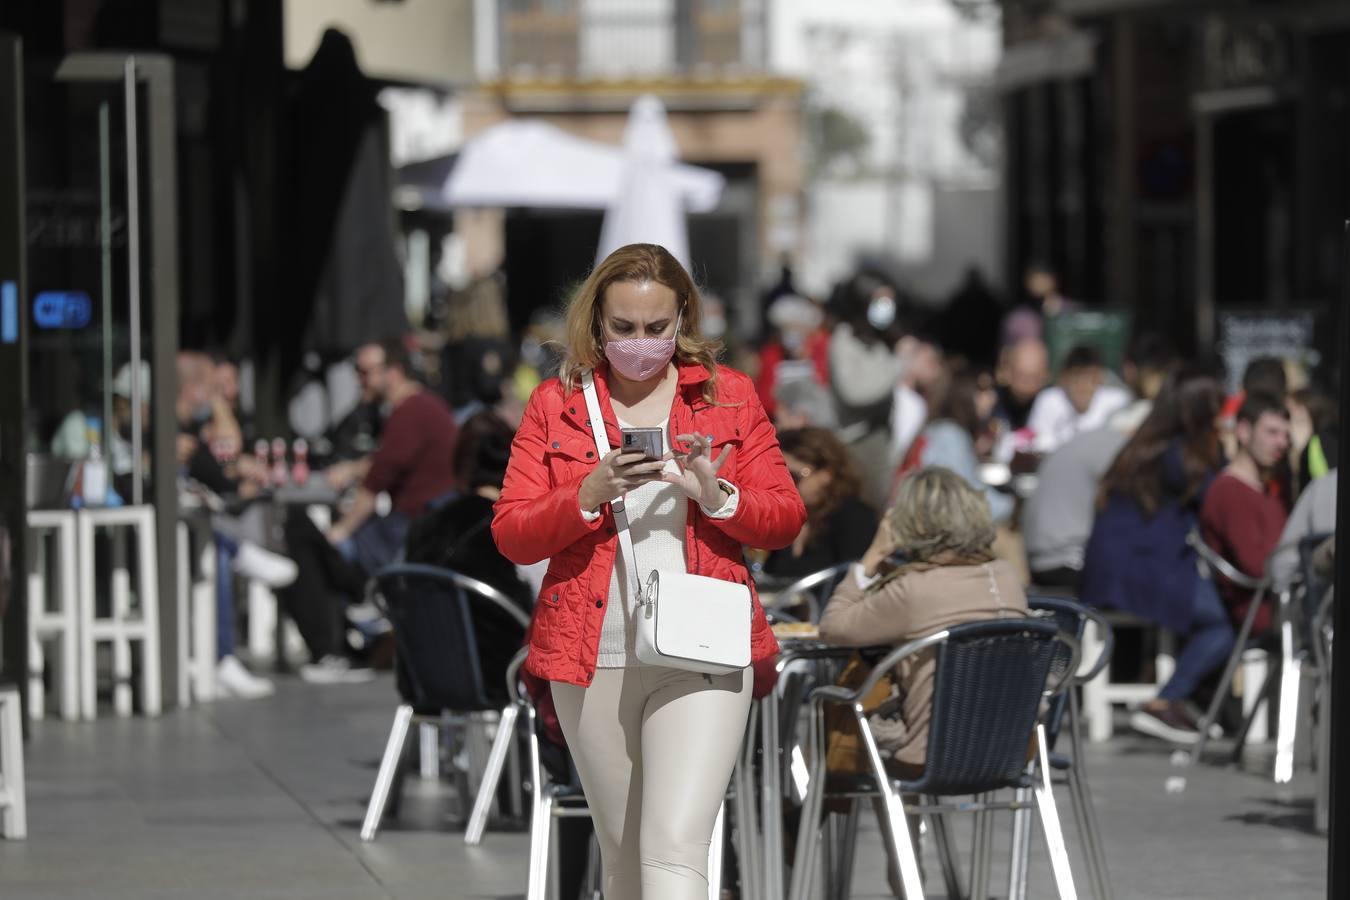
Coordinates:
[650,206]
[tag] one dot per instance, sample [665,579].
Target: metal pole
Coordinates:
[134,279]
[1338,854]
[1204,233]
[14,365]
[105,254]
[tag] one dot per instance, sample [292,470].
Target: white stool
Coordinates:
[262,620]
[13,808]
[262,626]
[58,622]
[1101,694]
[1255,667]
[121,628]
[196,615]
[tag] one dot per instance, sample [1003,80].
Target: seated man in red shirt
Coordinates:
[1243,515]
[414,464]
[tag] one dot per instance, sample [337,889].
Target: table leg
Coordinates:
[771,796]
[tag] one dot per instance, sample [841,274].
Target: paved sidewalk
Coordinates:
[264,800]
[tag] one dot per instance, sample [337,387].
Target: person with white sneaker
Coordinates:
[414,466]
[239,536]
[247,560]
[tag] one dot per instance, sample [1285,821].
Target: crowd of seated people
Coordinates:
[869,408]
[1127,471]
[414,465]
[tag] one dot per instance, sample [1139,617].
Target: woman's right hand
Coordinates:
[618,473]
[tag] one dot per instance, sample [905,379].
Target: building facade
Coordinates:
[1181,159]
[579,65]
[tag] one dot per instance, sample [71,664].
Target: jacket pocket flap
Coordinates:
[571,447]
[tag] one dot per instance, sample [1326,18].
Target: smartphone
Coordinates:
[649,441]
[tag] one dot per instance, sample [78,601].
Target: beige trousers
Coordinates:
[655,749]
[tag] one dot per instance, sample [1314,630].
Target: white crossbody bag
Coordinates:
[684,621]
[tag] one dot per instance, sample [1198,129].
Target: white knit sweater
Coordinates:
[657,515]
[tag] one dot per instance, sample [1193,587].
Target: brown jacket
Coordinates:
[919,602]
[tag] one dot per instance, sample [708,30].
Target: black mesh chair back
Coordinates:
[987,688]
[438,616]
[1068,617]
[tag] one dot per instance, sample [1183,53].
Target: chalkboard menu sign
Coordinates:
[1244,336]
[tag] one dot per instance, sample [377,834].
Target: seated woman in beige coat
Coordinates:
[942,528]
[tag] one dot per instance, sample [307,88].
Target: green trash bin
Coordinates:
[1108,330]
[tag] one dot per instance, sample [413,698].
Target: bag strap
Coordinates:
[616,506]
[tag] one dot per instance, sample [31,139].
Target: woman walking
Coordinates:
[654,745]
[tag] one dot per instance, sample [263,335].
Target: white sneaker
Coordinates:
[236,681]
[335,670]
[272,569]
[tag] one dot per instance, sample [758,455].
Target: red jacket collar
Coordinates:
[690,375]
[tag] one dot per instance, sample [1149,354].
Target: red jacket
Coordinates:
[538,516]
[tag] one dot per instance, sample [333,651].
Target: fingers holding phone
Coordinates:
[619,471]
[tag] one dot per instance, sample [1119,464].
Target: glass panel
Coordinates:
[79,303]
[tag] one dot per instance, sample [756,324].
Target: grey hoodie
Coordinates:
[1315,513]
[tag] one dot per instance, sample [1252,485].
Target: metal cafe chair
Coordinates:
[501,749]
[1217,567]
[988,683]
[435,613]
[812,590]
[1300,642]
[797,679]
[1322,631]
[551,800]
[1073,618]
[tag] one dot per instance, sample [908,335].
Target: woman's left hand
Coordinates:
[698,473]
[883,545]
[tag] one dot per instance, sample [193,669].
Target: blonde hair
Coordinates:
[937,513]
[636,263]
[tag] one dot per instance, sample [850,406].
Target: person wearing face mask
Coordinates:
[864,370]
[654,746]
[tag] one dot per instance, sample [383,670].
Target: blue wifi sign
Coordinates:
[62,309]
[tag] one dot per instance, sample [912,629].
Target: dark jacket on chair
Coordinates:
[1142,564]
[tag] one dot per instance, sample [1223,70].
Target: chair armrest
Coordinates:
[514,686]
[810,651]
[488,592]
[831,693]
[1222,566]
[804,588]
[1108,646]
[835,694]
[1069,678]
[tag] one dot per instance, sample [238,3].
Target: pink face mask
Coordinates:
[640,358]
